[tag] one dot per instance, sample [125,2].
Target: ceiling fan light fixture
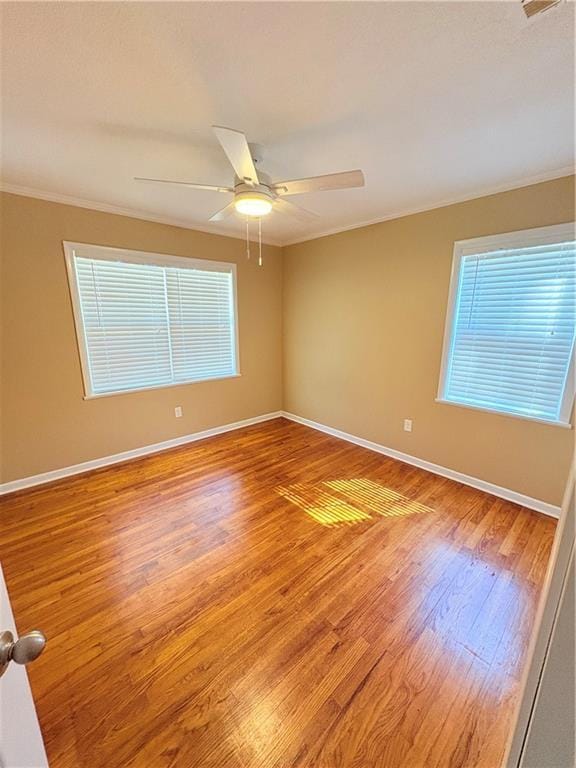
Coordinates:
[253,204]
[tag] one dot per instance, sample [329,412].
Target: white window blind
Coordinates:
[150,321]
[201,320]
[511,339]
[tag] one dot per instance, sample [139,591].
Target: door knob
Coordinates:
[24,650]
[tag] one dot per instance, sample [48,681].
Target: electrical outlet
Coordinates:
[178,411]
[407,425]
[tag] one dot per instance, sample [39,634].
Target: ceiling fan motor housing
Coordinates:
[241,188]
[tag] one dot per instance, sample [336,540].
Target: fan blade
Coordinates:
[235,145]
[283,206]
[343,180]
[191,184]
[223,213]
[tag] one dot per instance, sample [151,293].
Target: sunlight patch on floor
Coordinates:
[321,506]
[347,502]
[378,498]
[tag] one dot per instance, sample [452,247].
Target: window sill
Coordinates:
[98,395]
[549,422]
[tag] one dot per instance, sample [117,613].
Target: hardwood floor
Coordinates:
[273,597]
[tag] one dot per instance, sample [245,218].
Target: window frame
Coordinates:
[107,253]
[522,238]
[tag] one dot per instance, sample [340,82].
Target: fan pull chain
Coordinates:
[259,242]
[247,240]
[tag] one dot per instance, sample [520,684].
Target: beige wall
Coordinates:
[46,423]
[363,325]
[364,315]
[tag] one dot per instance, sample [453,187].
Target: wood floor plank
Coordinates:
[273,597]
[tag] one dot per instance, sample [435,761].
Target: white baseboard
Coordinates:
[86,466]
[474,482]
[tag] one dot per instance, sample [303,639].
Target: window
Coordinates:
[147,320]
[509,341]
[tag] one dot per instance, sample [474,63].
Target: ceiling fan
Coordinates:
[255,195]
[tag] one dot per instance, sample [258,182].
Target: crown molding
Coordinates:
[78,202]
[133,213]
[559,173]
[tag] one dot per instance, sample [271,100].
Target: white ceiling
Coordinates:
[435,101]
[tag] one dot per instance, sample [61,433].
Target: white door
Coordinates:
[545,712]
[21,744]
